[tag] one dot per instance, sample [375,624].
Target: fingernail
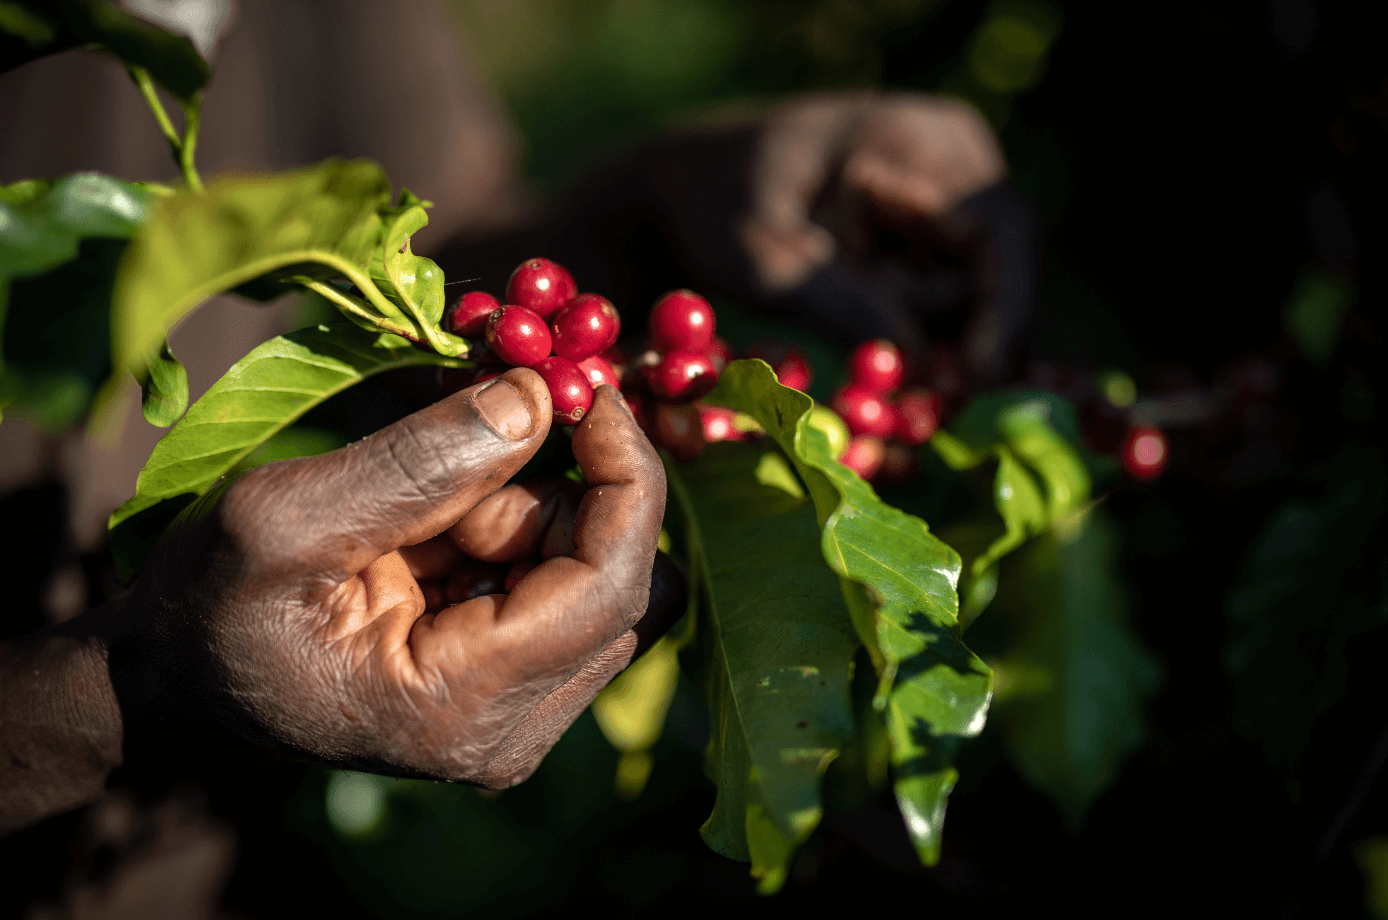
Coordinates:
[504,410]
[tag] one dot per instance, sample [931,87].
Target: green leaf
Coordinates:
[1074,677]
[164,389]
[777,648]
[31,29]
[60,243]
[413,282]
[261,395]
[319,223]
[898,580]
[1314,578]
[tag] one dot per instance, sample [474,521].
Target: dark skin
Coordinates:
[285,610]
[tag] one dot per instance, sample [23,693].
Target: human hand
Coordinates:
[288,609]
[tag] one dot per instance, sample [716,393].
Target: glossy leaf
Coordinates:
[164,389]
[1312,580]
[31,29]
[261,395]
[898,580]
[315,224]
[777,648]
[60,243]
[1074,678]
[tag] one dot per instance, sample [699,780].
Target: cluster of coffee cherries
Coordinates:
[545,325]
[886,426]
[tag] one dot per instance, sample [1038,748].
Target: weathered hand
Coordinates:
[289,609]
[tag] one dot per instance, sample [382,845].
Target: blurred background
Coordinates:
[1208,180]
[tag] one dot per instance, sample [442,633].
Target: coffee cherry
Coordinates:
[569,390]
[865,412]
[542,286]
[827,421]
[518,335]
[682,376]
[876,365]
[586,326]
[720,353]
[917,417]
[518,570]
[1144,453]
[792,368]
[864,456]
[681,320]
[719,424]
[898,463]
[639,404]
[679,430]
[468,318]
[598,372]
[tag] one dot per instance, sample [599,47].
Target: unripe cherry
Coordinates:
[1145,452]
[718,424]
[542,286]
[682,376]
[681,320]
[864,412]
[518,335]
[917,417]
[569,390]
[586,326]
[679,430]
[877,366]
[468,318]
[864,456]
[599,372]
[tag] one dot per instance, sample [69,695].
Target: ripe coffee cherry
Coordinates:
[718,424]
[518,335]
[720,353]
[468,318]
[864,456]
[917,417]
[876,365]
[569,390]
[681,319]
[682,376]
[598,372]
[679,430]
[542,286]
[865,412]
[586,326]
[1145,452]
[792,368]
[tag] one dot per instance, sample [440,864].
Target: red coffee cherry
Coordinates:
[864,456]
[877,366]
[792,368]
[598,372]
[518,335]
[679,430]
[1145,452]
[718,424]
[917,417]
[864,411]
[519,569]
[569,390]
[639,404]
[682,376]
[720,353]
[542,286]
[468,318]
[681,320]
[586,326]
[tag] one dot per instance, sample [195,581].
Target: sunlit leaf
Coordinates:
[261,395]
[898,580]
[777,647]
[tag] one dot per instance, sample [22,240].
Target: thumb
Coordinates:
[335,514]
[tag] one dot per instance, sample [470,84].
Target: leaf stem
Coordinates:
[182,147]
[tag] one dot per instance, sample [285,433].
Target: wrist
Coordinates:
[61,729]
